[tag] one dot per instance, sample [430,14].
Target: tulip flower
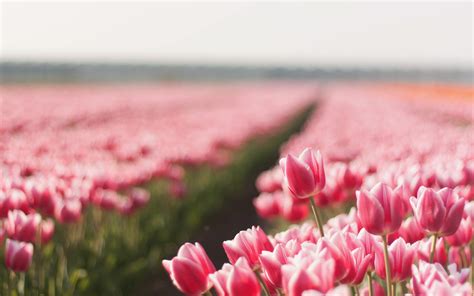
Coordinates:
[22,227]
[271,263]
[304,175]
[424,251]
[248,244]
[438,212]
[266,205]
[341,290]
[47,230]
[411,231]
[432,279]
[18,255]
[401,256]
[68,211]
[463,235]
[235,280]
[380,209]
[460,256]
[311,274]
[189,270]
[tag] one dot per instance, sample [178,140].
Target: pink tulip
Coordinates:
[18,255]
[266,205]
[341,290]
[139,197]
[22,227]
[424,250]
[315,274]
[189,270]
[47,230]
[401,256]
[438,212]
[379,210]
[411,231]
[68,211]
[463,235]
[304,176]
[248,244]
[460,256]
[271,263]
[292,210]
[235,280]
[432,279]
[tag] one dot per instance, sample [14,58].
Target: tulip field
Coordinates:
[361,188]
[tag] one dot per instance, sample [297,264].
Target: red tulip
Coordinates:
[304,176]
[18,255]
[235,280]
[380,209]
[248,244]
[438,212]
[189,270]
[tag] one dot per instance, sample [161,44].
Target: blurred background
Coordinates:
[156,41]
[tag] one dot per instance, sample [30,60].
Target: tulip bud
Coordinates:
[248,244]
[304,176]
[379,210]
[235,280]
[189,270]
[438,212]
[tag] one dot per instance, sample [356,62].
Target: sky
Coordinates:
[397,34]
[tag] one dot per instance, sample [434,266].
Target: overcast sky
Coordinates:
[342,33]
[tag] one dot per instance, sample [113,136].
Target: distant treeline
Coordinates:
[14,72]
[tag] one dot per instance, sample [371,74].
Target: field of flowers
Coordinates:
[99,184]
[385,175]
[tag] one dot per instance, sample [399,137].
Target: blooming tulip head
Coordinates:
[438,212]
[189,270]
[401,256]
[235,280]
[18,255]
[248,244]
[304,175]
[379,210]
[22,227]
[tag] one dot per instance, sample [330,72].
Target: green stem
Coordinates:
[316,216]
[356,290]
[21,284]
[388,277]
[262,283]
[433,247]
[394,289]
[371,287]
[208,293]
